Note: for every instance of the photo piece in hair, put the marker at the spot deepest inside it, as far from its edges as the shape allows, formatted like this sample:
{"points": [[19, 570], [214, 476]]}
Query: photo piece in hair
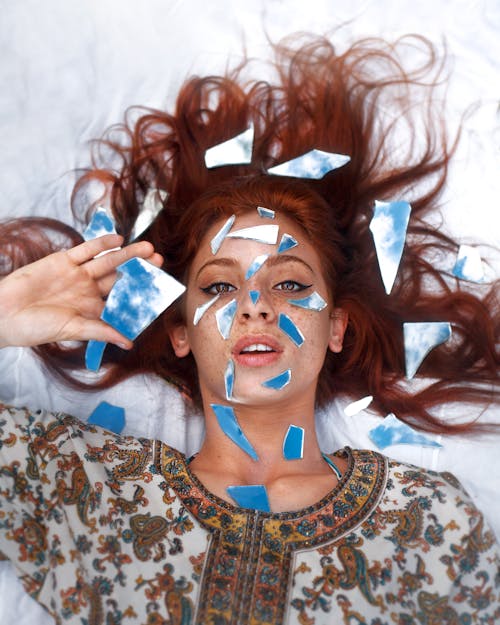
{"points": [[312, 302], [229, 379], [293, 443], [100, 224], [256, 265], [109, 417], [261, 234], [265, 213], [279, 381], [235, 151], [254, 296], [140, 294], [394, 432], [286, 325], [225, 318], [388, 227], [358, 406], [216, 242], [469, 265], [286, 243], [251, 496], [152, 205], [201, 310], [419, 339], [226, 418], [314, 165]]}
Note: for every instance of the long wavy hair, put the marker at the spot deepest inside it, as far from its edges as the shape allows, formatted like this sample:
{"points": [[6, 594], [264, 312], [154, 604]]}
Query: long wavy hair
{"points": [[362, 102]]}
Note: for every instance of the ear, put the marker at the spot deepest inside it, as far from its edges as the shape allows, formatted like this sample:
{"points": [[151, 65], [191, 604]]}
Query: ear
{"points": [[338, 325], [179, 340]]}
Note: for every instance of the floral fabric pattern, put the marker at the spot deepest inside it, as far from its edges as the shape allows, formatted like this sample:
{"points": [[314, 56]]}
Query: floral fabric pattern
{"points": [[107, 529]]}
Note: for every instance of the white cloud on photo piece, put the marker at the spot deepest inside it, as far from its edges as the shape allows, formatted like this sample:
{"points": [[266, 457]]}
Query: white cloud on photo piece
{"points": [[419, 339]]}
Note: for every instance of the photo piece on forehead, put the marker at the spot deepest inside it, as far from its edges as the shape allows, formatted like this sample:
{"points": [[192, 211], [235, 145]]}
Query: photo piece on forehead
{"points": [[388, 227], [419, 339], [266, 213], [109, 417], [229, 379], [226, 418], [100, 224], [260, 234], [257, 263], [254, 296], [395, 432], [251, 497], [139, 295], [286, 325], [279, 381], [314, 165], [311, 302], [293, 443], [235, 151], [152, 205], [225, 318], [201, 310], [216, 242], [468, 265], [286, 243], [358, 406]]}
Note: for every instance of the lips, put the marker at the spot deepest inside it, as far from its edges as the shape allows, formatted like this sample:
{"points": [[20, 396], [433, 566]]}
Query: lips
{"points": [[256, 350]]}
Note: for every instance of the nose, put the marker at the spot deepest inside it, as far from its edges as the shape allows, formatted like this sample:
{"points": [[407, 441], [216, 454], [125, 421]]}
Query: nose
{"points": [[256, 306]]}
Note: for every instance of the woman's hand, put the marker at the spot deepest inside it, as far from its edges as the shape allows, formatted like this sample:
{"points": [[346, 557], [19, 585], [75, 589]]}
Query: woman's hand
{"points": [[60, 297]]}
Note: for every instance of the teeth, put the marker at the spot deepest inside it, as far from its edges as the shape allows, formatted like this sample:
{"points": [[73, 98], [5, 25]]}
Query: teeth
{"points": [[257, 347]]}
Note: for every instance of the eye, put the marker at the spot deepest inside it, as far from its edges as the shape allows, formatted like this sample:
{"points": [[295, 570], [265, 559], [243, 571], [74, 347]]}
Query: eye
{"points": [[291, 286], [218, 288]]}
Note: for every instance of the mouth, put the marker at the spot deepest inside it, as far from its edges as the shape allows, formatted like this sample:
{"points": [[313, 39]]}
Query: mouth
{"points": [[256, 351]]}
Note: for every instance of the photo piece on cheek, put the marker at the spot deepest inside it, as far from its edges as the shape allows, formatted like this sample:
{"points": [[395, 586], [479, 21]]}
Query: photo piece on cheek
{"points": [[288, 327], [201, 310], [312, 302], [225, 318], [229, 379], [256, 265], [226, 418], [260, 234], [279, 381], [286, 243], [151, 207], [293, 443], [235, 151], [265, 213], [313, 165], [419, 339], [252, 496], [395, 432], [388, 227], [216, 242]]}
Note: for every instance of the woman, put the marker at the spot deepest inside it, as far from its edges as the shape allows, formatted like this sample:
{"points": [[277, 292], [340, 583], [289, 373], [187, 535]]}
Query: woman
{"points": [[108, 528]]}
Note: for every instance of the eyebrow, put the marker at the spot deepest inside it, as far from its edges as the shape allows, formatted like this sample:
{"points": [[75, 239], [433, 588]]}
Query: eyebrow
{"points": [[272, 261]]}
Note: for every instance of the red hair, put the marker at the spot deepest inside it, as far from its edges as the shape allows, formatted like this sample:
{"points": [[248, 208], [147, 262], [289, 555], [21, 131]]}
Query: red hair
{"points": [[334, 102]]}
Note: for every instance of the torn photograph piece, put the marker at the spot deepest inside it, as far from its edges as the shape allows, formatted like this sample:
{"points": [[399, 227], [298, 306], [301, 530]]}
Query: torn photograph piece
{"points": [[358, 406], [251, 497], [392, 431], [266, 213], [286, 243], [279, 381], [109, 417], [228, 423], [201, 310], [469, 265], [260, 234], [229, 379], [101, 223], [235, 151], [293, 443], [288, 327], [225, 318], [151, 207], [312, 302], [254, 296], [216, 242], [313, 165], [255, 266], [419, 339]]}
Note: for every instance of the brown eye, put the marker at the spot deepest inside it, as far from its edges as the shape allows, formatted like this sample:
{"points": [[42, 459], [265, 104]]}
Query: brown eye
{"points": [[291, 286], [218, 288]]}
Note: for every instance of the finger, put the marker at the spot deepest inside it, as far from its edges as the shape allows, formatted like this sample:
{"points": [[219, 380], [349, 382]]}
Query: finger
{"points": [[104, 265], [87, 250], [97, 330]]}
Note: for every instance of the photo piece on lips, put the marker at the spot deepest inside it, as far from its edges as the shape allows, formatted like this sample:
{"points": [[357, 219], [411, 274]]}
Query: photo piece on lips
{"points": [[395, 432], [201, 310], [260, 234], [388, 227], [311, 302], [216, 242], [279, 381], [286, 243], [266, 213], [252, 497], [226, 418], [109, 417], [313, 165], [235, 151], [293, 443], [139, 295], [288, 327], [256, 265], [225, 317], [419, 339], [151, 207]]}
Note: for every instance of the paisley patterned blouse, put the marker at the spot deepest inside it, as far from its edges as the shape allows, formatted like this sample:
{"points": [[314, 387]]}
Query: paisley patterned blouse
{"points": [[116, 530]]}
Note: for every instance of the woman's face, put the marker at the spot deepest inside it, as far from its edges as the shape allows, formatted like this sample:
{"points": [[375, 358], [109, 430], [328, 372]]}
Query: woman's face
{"points": [[269, 334]]}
